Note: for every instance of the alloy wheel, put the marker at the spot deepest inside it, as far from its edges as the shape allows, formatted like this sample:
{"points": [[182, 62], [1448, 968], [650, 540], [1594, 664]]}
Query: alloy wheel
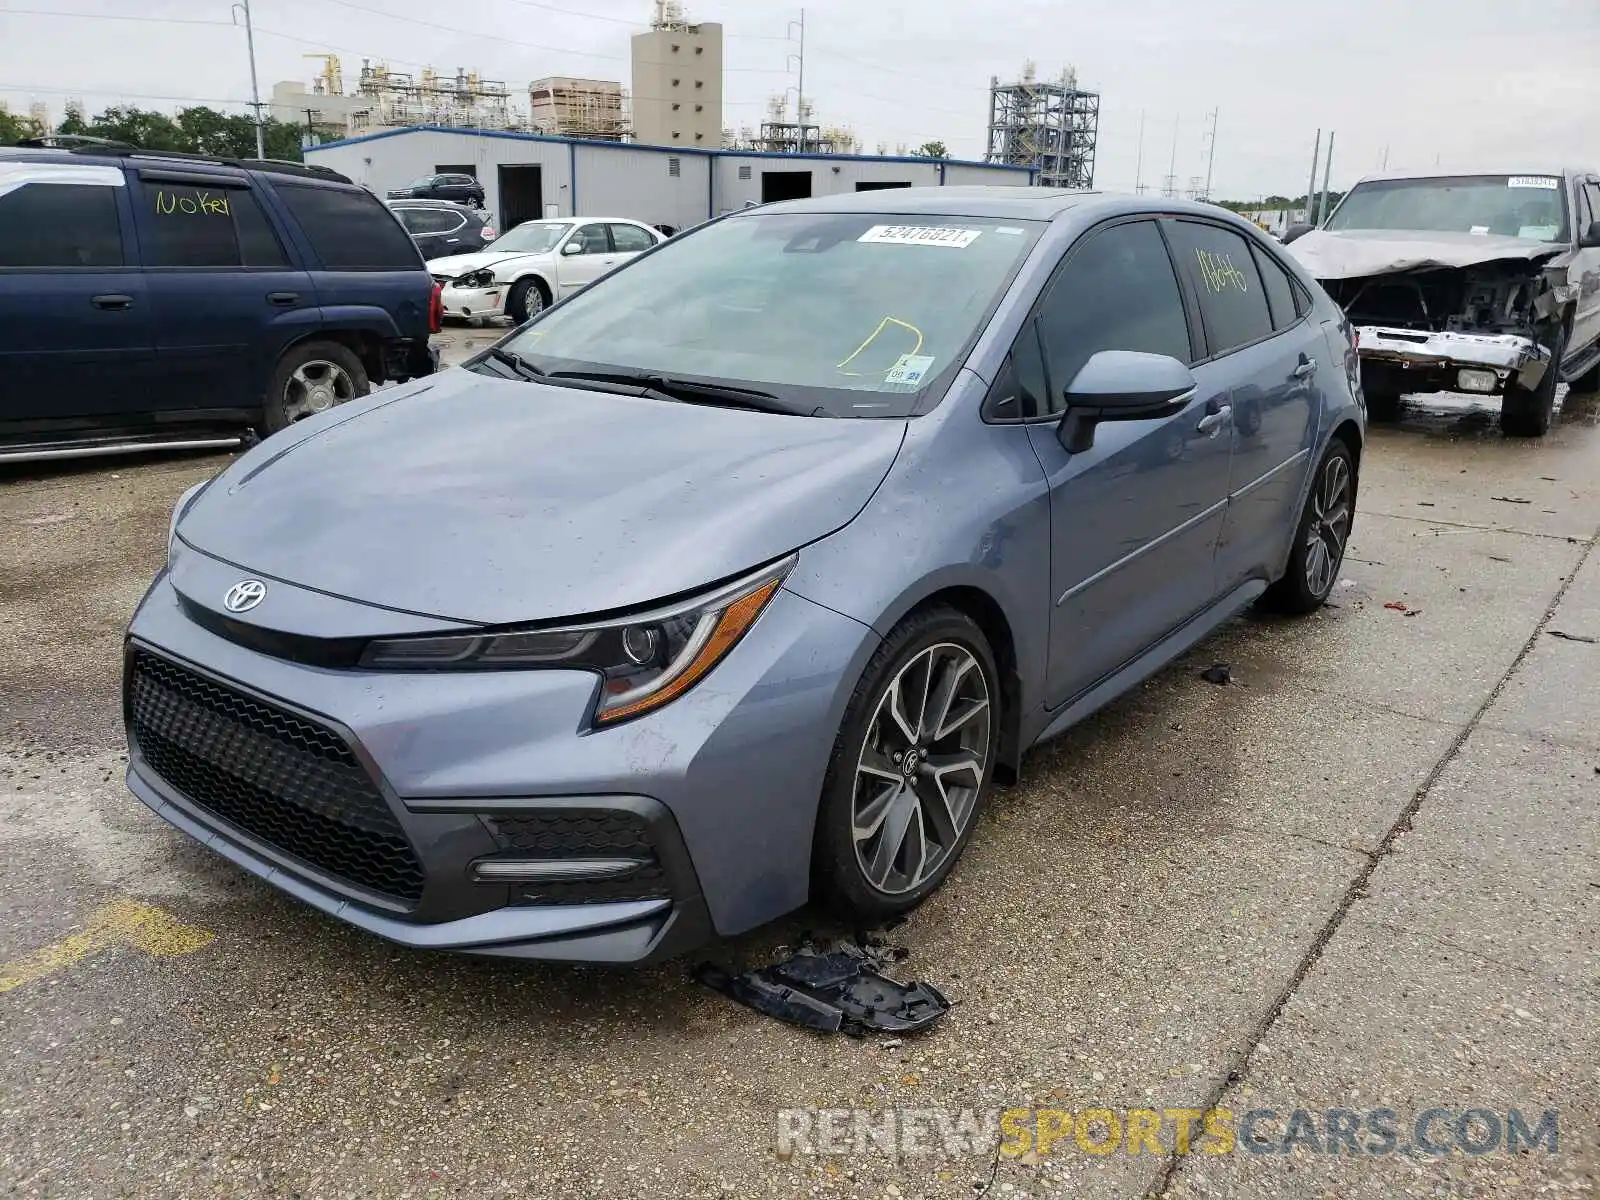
{"points": [[1330, 525], [921, 768], [315, 387]]}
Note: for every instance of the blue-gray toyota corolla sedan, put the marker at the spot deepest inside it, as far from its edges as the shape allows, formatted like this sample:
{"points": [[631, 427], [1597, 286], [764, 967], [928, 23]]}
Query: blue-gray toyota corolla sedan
{"points": [[739, 577]]}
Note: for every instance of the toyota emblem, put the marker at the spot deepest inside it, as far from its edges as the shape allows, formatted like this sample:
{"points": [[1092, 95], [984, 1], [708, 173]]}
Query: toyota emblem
{"points": [[244, 595]]}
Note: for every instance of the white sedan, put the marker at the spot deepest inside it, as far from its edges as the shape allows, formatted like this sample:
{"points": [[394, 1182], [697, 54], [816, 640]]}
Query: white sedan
{"points": [[537, 263]]}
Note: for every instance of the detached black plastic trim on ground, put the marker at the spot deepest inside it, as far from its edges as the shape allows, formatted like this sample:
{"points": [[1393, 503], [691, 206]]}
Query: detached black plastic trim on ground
{"points": [[838, 992]]}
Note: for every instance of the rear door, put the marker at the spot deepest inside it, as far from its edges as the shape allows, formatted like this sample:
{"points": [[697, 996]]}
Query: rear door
{"points": [[75, 329], [226, 296], [629, 240], [1263, 354]]}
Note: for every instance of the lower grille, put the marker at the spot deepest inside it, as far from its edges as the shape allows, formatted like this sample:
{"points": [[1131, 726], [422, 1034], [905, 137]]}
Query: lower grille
{"points": [[585, 833], [287, 781]]}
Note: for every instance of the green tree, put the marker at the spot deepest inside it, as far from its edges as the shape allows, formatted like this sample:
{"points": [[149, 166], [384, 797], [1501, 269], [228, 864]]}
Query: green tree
{"points": [[137, 127], [931, 150], [207, 131], [73, 123], [14, 128]]}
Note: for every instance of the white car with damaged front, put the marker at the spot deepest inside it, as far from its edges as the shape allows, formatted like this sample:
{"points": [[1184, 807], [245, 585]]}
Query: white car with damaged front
{"points": [[537, 263]]}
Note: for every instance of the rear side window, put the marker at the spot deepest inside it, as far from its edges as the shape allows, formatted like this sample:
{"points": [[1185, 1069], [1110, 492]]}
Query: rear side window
{"points": [[630, 238], [1117, 292], [190, 226], [1281, 294], [350, 230], [1223, 272], [431, 220], [60, 225]]}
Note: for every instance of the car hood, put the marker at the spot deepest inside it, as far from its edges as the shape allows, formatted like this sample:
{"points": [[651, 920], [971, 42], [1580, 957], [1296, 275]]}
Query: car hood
{"points": [[496, 502], [1351, 254], [457, 265]]}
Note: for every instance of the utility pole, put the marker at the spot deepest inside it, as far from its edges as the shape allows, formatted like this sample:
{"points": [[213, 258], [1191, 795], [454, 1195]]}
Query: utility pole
{"points": [[1327, 172], [255, 91], [1138, 166], [311, 131], [800, 91], [1211, 159], [1311, 188], [1170, 188]]}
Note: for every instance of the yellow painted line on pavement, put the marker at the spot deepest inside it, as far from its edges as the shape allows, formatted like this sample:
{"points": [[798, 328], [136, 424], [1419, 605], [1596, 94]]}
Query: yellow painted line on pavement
{"points": [[120, 922]]}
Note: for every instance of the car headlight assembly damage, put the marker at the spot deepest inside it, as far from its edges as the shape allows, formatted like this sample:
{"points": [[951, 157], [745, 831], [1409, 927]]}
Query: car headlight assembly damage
{"points": [[644, 661], [477, 279]]}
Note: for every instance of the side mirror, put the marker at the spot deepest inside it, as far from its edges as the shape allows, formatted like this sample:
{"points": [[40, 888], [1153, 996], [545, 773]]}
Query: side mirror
{"points": [[1122, 385], [572, 248], [1591, 236], [1297, 230]]}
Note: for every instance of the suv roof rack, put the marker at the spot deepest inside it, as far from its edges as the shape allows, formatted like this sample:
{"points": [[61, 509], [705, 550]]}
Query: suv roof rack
{"points": [[72, 141], [78, 144]]}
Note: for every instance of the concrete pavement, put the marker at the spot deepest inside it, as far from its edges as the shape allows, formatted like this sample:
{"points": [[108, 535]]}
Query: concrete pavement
{"points": [[1361, 876]]}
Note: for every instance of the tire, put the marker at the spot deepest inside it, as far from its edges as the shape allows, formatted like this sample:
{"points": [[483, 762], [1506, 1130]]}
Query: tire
{"points": [[527, 300], [1588, 383], [1383, 406], [1525, 412], [875, 877], [311, 378], [1320, 538]]}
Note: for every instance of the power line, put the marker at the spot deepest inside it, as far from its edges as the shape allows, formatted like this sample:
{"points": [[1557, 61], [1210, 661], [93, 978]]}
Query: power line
{"points": [[39, 12]]}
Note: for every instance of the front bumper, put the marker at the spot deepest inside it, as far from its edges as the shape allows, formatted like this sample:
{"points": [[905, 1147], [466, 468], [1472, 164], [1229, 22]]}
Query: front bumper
{"points": [[726, 780], [474, 302], [1420, 361]]}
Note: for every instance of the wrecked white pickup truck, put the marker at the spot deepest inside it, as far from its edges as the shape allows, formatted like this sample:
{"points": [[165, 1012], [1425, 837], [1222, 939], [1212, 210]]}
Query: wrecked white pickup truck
{"points": [[1474, 283]]}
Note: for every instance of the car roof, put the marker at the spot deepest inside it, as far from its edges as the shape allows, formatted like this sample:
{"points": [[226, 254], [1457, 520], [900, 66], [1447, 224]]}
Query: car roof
{"points": [[1459, 173], [129, 156], [1015, 203], [423, 202]]}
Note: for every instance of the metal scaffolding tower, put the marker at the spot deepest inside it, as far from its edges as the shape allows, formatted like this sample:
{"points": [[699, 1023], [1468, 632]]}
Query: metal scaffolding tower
{"points": [[1051, 125]]}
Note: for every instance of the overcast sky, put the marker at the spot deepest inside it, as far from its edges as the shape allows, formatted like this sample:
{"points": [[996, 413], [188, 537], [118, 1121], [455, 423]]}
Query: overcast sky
{"points": [[1453, 81]]}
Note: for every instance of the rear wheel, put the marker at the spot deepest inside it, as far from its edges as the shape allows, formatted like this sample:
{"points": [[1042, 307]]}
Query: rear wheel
{"points": [[1588, 383], [1526, 412], [312, 378], [1320, 537], [910, 768]]}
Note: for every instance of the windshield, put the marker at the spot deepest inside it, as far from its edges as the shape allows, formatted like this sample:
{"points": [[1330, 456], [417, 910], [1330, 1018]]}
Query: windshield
{"points": [[1522, 206], [854, 313], [533, 237], [425, 181]]}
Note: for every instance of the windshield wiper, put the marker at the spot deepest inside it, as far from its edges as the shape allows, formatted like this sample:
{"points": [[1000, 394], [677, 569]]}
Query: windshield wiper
{"points": [[692, 391], [516, 362]]}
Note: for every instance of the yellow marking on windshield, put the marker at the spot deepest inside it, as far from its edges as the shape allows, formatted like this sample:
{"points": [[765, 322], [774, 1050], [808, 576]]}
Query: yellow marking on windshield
{"points": [[883, 324]]}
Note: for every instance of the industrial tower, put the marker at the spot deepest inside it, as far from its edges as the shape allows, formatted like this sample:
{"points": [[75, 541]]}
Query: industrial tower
{"points": [[1049, 125]]}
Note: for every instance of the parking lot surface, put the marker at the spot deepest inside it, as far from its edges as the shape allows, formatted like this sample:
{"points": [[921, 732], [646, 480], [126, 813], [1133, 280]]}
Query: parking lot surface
{"points": [[1361, 875]]}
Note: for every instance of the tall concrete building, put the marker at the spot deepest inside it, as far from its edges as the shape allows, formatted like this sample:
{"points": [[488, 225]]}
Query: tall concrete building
{"points": [[677, 81]]}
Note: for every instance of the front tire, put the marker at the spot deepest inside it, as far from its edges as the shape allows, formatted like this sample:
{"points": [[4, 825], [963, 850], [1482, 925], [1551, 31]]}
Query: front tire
{"points": [[1527, 412], [911, 767], [1320, 538], [312, 378], [527, 299]]}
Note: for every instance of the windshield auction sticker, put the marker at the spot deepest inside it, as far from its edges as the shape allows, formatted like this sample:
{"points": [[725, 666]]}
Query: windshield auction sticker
{"points": [[921, 235], [1534, 181]]}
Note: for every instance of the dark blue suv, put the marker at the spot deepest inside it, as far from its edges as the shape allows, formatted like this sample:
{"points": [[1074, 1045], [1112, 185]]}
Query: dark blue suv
{"points": [[150, 298]]}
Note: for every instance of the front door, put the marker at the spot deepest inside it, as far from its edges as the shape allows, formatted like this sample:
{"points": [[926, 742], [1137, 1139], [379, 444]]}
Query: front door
{"points": [[584, 257], [75, 327], [1134, 519], [225, 297], [1585, 273]]}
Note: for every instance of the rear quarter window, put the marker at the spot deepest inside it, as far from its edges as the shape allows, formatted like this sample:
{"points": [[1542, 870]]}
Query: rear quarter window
{"points": [[350, 229]]}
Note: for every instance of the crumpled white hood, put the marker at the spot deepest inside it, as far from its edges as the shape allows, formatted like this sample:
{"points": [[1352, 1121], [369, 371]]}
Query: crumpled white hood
{"points": [[1350, 254], [456, 265]]}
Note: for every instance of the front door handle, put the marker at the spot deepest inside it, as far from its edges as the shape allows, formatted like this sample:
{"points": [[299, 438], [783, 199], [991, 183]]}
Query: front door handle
{"points": [[112, 303], [451, 241], [1211, 424], [1306, 369], [283, 299]]}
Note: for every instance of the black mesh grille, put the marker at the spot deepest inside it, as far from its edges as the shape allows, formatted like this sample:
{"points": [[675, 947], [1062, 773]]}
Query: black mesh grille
{"points": [[281, 778], [591, 833]]}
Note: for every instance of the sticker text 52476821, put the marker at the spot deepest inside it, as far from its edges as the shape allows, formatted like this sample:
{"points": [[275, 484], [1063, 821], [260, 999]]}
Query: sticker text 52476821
{"points": [[921, 235]]}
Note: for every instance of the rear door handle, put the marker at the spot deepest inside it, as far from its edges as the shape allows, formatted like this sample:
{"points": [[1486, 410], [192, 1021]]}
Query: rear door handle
{"points": [[1211, 424], [114, 303], [283, 299], [1306, 369], [451, 241]]}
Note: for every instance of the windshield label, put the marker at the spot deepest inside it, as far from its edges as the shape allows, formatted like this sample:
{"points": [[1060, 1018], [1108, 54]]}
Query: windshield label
{"points": [[921, 235], [909, 369], [1534, 181]]}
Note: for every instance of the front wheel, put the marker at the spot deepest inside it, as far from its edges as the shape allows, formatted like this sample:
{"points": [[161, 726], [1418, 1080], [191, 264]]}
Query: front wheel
{"points": [[312, 378], [526, 300], [910, 768], [1320, 536], [1527, 412]]}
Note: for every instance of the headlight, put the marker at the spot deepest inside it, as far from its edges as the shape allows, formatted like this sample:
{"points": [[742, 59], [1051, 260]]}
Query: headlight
{"points": [[178, 509], [477, 279], [643, 661]]}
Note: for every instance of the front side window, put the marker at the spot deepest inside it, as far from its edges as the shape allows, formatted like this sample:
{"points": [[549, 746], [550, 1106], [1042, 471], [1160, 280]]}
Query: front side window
{"points": [[350, 229], [1519, 206], [1117, 292], [531, 237], [590, 239], [853, 314], [184, 225], [1222, 271], [60, 225]]}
